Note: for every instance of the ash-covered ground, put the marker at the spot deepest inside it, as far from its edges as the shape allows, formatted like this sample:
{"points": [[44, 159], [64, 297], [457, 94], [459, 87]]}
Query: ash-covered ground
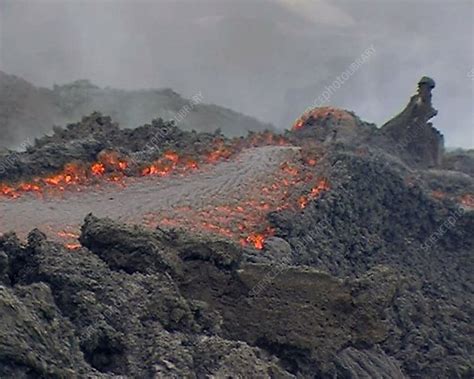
{"points": [[334, 250]]}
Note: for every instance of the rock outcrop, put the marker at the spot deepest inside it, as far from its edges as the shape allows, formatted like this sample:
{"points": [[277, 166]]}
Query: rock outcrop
{"points": [[413, 136], [331, 125]]}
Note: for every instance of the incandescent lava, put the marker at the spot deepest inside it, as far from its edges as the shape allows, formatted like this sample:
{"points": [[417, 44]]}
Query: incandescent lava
{"points": [[228, 190]]}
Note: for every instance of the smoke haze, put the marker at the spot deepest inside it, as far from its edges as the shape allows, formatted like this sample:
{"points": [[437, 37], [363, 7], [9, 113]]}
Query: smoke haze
{"points": [[269, 59]]}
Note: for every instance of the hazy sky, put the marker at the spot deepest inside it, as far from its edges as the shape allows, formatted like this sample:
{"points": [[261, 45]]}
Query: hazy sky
{"points": [[269, 59]]}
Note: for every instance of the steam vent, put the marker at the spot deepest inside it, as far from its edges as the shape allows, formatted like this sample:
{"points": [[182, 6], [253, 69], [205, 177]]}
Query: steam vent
{"points": [[414, 136]]}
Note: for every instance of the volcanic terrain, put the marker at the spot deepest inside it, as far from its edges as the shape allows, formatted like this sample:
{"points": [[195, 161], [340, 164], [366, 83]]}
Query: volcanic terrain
{"points": [[335, 249]]}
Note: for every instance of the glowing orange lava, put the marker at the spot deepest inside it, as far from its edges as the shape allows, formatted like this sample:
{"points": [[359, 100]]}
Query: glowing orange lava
{"points": [[221, 151], [109, 166], [243, 220], [73, 246], [165, 165], [322, 113], [98, 169], [257, 240], [70, 238], [321, 186]]}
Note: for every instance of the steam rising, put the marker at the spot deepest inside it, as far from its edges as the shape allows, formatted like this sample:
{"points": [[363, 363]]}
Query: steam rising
{"points": [[269, 59]]}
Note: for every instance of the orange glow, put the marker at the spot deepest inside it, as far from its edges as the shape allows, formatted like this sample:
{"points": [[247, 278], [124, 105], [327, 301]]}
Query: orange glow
{"points": [[158, 168], [67, 234], [98, 169], [167, 164], [73, 246], [70, 239], [467, 200], [29, 187], [257, 240], [322, 113], [112, 161], [320, 187], [172, 156], [298, 124], [171, 161], [439, 195], [113, 167], [191, 164], [218, 154], [244, 220], [72, 174], [292, 170], [8, 191]]}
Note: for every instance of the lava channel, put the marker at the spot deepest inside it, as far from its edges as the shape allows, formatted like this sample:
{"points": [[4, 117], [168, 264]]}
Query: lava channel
{"points": [[231, 198]]}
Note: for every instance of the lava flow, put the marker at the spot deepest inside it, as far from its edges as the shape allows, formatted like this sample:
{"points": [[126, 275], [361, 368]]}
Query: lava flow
{"points": [[321, 186], [229, 191], [245, 219], [112, 167], [109, 166]]}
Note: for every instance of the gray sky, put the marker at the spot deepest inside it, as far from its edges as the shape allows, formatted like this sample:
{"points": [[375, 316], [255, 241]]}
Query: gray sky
{"points": [[269, 59]]}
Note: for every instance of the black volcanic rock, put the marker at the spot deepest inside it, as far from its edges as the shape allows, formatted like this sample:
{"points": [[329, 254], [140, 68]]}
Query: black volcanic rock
{"points": [[70, 315], [83, 142], [214, 318], [413, 137], [373, 216]]}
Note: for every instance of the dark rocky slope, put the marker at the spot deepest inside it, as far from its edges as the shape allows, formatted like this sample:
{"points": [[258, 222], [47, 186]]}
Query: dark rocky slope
{"points": [[374, 217]]}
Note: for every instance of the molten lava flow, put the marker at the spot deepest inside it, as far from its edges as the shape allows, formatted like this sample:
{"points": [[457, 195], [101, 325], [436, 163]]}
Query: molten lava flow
{"points": [[321, 186], [311, 161], [245, 220], [172, 156], [257, 240], [220, 151], [167, 164], [112, 161], [242, 218], [113, 167], [109, 165], [98, 169], [8, 191], [298, 125]]}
